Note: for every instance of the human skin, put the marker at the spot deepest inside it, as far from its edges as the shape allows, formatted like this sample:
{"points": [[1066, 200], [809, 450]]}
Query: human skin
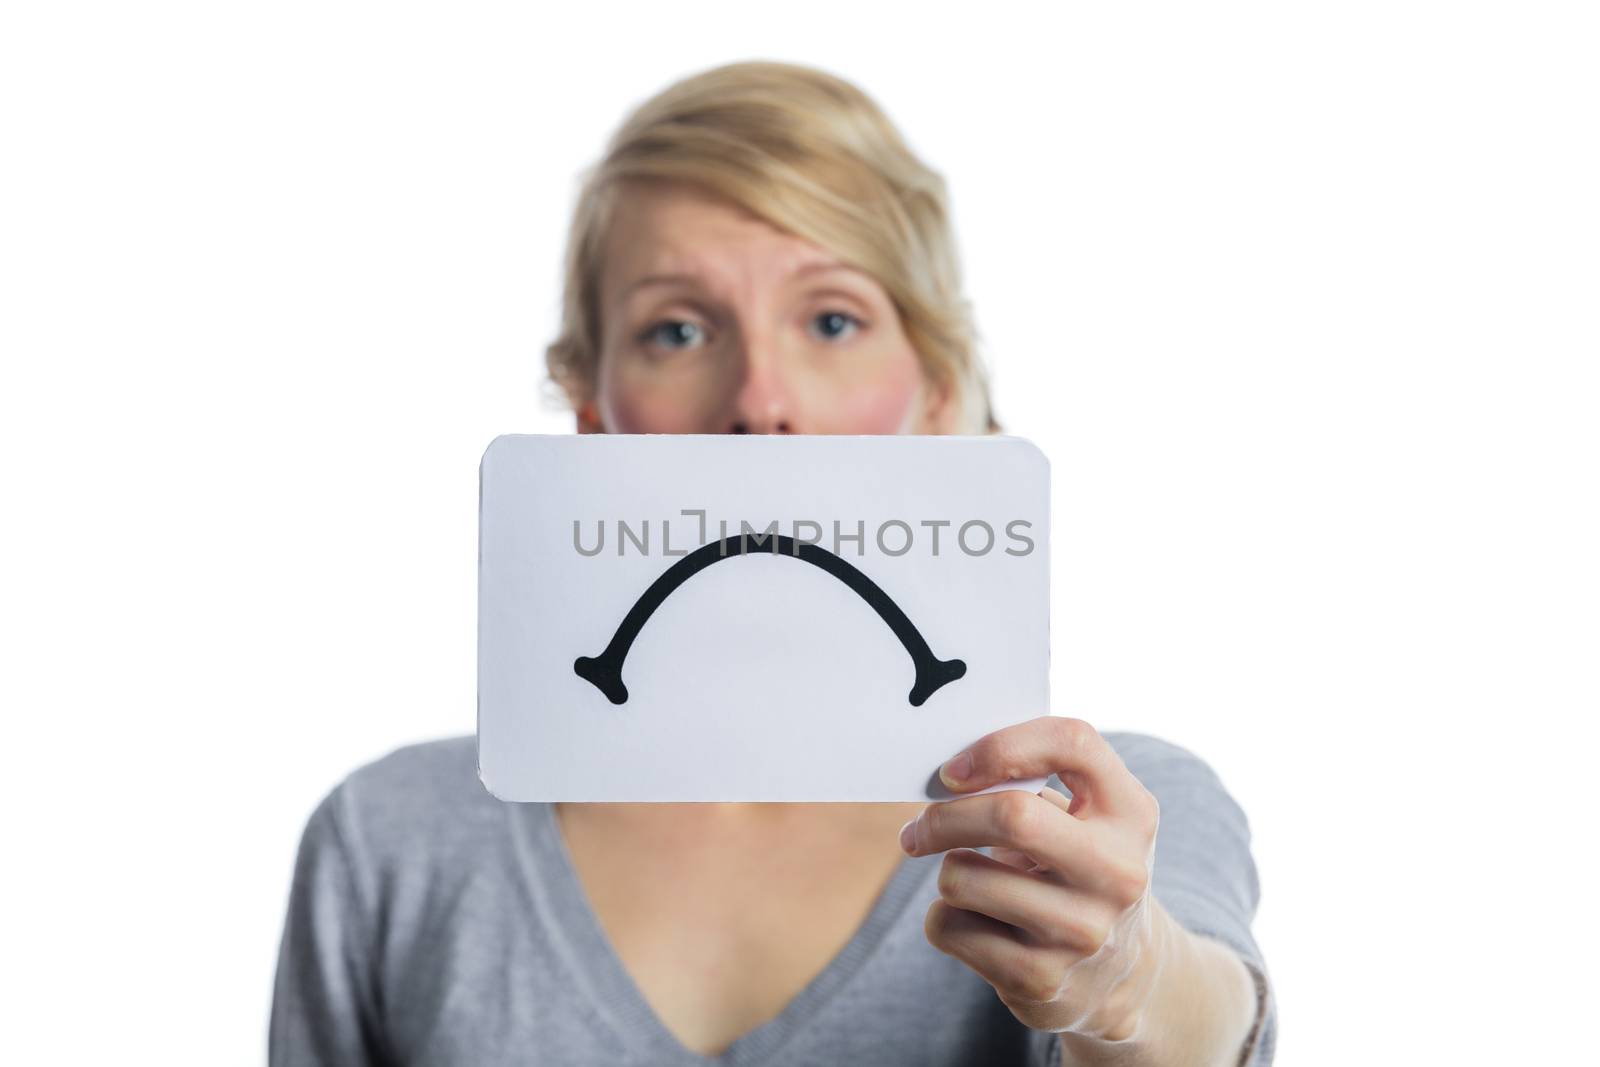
{"points": [[713, 321], [1036, 918]]}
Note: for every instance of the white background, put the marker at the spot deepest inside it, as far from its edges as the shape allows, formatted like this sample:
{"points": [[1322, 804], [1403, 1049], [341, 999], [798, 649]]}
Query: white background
{"points": [[1301, 301]]}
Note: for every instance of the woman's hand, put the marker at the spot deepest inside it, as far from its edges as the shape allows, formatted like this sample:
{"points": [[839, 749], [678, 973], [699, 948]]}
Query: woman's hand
{"points": [[1060, 921]]}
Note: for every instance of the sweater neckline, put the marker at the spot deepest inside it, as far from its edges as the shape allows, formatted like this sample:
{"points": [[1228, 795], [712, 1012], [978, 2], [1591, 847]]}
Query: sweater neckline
{"points": [[591, 955]]}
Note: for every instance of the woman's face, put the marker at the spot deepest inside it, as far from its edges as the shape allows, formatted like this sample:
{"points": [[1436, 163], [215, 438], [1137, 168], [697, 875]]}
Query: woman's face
{"points": [[713, 321]]}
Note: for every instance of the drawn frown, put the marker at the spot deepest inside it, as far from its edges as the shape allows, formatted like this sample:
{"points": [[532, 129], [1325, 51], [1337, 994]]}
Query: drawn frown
{"points": [[604, 671]]}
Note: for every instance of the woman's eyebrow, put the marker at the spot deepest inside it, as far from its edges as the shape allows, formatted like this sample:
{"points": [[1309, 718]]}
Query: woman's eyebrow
{"points": [[657, 279], [827, 267], [694, 278]]}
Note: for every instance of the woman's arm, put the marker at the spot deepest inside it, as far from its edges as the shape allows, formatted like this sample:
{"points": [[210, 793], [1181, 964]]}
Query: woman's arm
{"points": [[1203, 1009], [1063, 921], [323, 1001]]}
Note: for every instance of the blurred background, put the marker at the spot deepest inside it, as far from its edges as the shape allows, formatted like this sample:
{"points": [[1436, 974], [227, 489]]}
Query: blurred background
{"points": [[1301, 302]]}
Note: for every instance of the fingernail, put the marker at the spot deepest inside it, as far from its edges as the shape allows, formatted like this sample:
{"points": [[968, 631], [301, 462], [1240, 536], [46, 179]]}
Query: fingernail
{"points": [[957, 770], [908, 836]]}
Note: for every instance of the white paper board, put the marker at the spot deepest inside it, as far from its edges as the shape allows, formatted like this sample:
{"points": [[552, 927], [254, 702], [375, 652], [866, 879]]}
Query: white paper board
{"points": [[639, 639]]}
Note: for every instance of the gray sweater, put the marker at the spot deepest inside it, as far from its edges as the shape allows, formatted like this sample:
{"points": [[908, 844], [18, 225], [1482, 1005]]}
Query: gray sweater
{"points": [[431, 924]]}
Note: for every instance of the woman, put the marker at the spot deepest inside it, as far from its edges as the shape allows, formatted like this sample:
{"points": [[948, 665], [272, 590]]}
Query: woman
{"points": [[759, 252]]}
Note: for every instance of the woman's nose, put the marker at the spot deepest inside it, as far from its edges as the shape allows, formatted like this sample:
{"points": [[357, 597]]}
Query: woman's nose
{"points": [[762, 403]]}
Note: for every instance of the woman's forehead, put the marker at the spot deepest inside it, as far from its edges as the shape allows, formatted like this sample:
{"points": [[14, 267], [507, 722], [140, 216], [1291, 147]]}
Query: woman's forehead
{"points": [[682, 235]]}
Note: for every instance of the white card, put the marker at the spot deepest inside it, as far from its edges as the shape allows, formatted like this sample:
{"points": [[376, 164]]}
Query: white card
{"points": [[686, 617]]}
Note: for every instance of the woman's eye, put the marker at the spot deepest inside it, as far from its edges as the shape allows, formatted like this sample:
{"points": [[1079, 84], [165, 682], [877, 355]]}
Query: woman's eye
{"points": [[674, 334], [832, 325]]}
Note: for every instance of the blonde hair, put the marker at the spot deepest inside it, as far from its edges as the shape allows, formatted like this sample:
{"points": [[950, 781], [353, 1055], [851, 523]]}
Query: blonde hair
{"points": [[810, 154]]}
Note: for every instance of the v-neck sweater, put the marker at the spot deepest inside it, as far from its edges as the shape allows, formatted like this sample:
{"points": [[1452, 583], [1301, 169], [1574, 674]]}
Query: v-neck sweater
{"points": [[430, 924]]}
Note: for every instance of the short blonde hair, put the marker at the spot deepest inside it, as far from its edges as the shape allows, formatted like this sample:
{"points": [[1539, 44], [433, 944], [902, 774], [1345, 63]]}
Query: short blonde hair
{"points": [[810, 154]]}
